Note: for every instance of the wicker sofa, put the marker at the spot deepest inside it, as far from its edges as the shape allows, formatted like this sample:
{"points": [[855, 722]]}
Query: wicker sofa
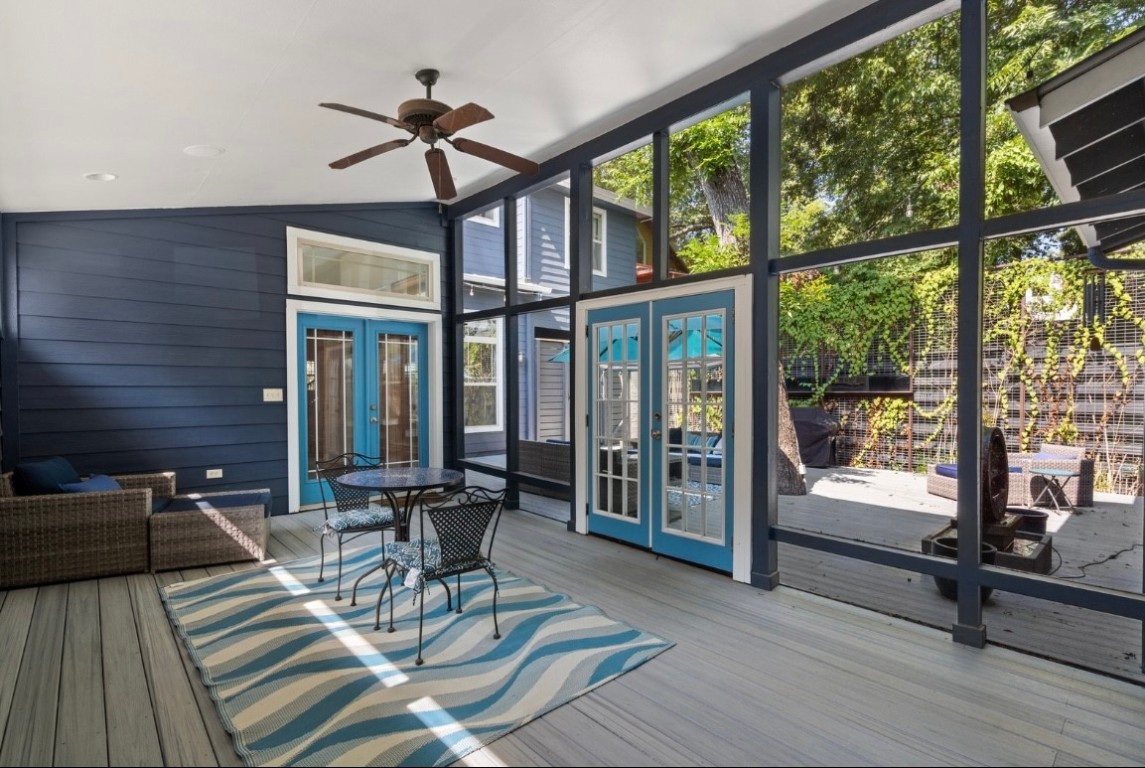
{"points": [[58, 537], [552, 461], [68, 536], [1024, 486]]}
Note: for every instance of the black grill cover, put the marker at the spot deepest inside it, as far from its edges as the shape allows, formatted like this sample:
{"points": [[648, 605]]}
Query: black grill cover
{"points": [[816, 430]]}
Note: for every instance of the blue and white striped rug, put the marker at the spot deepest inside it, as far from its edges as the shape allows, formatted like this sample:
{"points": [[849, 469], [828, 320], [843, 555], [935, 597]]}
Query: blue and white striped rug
{"points": [[300, 679]]}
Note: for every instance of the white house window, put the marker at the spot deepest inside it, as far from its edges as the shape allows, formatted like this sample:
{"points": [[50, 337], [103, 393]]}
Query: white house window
{"points": [[491, 217], [483, 356], [599, 239], [335, 267], [599, 247]]}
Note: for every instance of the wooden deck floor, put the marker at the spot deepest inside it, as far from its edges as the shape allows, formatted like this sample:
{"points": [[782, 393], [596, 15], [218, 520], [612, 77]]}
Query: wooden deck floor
{"points": [[1099, 545], [91, 673]]}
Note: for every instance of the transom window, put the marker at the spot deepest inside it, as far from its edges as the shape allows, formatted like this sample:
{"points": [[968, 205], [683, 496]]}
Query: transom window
{"points": [[331, 266]]}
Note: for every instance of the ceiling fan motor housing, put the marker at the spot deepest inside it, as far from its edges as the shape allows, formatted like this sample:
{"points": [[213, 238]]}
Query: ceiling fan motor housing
{"points": [[420, 114]]}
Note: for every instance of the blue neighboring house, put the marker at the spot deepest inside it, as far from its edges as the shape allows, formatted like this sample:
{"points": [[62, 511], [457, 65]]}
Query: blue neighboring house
{"points": [[621, 242]]}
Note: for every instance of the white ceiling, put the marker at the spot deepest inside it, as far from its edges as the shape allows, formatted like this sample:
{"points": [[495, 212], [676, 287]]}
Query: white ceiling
{"points": [[123, 87]]}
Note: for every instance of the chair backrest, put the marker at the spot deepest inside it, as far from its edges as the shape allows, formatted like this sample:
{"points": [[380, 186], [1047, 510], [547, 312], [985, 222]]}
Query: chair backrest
{"points": [[345, 498], [461, 523]]}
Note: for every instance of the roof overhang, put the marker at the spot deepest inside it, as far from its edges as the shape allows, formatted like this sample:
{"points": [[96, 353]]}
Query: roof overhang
{"points": [[1086, 126]]}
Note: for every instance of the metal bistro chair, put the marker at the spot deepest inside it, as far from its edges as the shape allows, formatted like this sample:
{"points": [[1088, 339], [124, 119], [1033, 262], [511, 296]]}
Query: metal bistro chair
{"points": [[465, 524], [356, 513]]}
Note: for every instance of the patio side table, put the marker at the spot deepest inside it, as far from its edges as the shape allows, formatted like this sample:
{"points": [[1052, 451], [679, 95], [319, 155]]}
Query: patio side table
{"points": [[1055, 482]]}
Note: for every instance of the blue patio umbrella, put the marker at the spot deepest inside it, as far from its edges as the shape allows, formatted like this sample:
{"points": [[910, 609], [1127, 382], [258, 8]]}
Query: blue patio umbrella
{"points": [[697, 341]]}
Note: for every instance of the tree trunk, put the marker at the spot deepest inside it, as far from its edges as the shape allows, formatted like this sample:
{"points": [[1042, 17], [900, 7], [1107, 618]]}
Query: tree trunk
{"points": [[726, 196], [787, 474]]}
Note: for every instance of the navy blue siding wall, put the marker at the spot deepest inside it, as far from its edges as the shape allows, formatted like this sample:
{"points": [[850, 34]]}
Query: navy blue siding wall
{"points": [[145, 340]]}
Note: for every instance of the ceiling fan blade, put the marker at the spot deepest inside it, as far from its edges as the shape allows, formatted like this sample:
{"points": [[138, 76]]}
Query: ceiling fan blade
{"points": [[372, 115], [494, 155], [366, 154], [462, 117], [439, 172]]}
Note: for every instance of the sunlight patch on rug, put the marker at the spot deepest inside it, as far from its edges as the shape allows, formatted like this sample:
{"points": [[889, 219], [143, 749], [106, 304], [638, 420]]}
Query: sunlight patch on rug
{"points": [[300, 679]]}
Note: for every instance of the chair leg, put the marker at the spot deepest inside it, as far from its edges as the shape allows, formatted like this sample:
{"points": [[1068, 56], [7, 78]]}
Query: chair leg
{"points": [[459, 593], [378, 608], [321, 555], [391, 629], [338, 591], [496, 629], [420, 621], [448, 595]]}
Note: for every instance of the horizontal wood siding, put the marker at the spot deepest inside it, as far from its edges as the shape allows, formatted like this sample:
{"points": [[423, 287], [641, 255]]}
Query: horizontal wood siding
{"points": [[145, 340]]}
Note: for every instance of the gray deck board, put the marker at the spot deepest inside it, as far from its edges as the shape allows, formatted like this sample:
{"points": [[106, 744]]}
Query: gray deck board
{"points": [[182, 733], [755, 678], [36, 699], [132, 731], [15, 621], [81, 731]]}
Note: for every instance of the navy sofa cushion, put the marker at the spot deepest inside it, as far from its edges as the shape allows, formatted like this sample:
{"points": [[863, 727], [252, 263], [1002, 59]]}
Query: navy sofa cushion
{"points": [[92, 484], [714, 459], [951, 470], [32, 478], [192, 502]]}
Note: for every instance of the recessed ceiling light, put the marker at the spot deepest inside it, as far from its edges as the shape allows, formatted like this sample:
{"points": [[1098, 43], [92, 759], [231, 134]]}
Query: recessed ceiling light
{"points": [[100, 176], [203, 150]]}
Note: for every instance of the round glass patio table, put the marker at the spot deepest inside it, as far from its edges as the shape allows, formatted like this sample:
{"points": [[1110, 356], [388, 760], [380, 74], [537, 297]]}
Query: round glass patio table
{"points": [[392, 481]]}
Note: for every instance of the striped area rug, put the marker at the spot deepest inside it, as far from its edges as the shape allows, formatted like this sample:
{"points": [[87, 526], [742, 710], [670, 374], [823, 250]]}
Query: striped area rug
{"points": [[300, 679]]}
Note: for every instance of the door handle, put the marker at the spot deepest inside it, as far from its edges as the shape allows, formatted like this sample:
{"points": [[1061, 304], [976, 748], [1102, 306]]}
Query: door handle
{"points": [[656, 434], [373, 419]]}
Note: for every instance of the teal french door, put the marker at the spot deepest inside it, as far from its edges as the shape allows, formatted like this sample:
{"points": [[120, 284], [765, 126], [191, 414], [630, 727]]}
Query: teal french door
{"points": [[660, 433], [363, 390]]}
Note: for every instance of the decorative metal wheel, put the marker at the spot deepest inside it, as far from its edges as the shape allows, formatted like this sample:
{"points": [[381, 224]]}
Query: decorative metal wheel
{"points": [[995, 475]]}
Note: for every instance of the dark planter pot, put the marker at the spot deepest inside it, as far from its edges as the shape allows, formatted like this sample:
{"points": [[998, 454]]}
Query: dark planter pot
{"points": [[1033, 520], [947, 546]]}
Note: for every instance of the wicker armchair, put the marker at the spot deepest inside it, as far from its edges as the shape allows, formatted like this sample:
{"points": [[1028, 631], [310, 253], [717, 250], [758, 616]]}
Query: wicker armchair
{"points": [[68, 536]]}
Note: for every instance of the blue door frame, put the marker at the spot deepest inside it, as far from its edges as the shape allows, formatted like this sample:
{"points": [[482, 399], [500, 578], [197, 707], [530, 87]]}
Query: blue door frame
{"points": [[365, 383], [684, 504]]}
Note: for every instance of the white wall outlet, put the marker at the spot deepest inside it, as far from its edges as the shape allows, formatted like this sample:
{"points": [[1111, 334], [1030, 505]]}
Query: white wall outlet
{"points": [[272, 395], [214, 474]]}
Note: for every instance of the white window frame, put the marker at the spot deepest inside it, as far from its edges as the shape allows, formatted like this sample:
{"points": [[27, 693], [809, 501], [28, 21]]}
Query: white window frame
{"points": [[603, 271], [498, 384], [490, 217], [295, 285]]}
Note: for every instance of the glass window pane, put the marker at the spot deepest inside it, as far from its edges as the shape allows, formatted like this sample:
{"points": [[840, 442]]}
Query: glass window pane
{"points": [[622, 220], [708, 173], [543, 265], [1086, 133], [871, 144], [482, 261], [329, 395]]}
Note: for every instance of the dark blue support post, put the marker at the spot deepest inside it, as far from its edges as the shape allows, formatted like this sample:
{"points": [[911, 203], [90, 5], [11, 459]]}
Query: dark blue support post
{"points": [[766, 172], [580, 254], [968, 628], [511, 339], [660, 207], [455, 343]]}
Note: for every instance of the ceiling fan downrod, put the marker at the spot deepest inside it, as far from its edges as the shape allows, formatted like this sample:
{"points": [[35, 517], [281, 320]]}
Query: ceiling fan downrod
{"points": [[428, 78]]}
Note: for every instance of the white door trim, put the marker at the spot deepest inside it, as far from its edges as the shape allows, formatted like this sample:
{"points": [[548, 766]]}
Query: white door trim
{"points": [[741, 484], [434, 427]]}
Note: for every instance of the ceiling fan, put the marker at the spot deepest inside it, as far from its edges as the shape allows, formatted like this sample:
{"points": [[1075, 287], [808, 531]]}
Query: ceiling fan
{"points": [[432, 121]]}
